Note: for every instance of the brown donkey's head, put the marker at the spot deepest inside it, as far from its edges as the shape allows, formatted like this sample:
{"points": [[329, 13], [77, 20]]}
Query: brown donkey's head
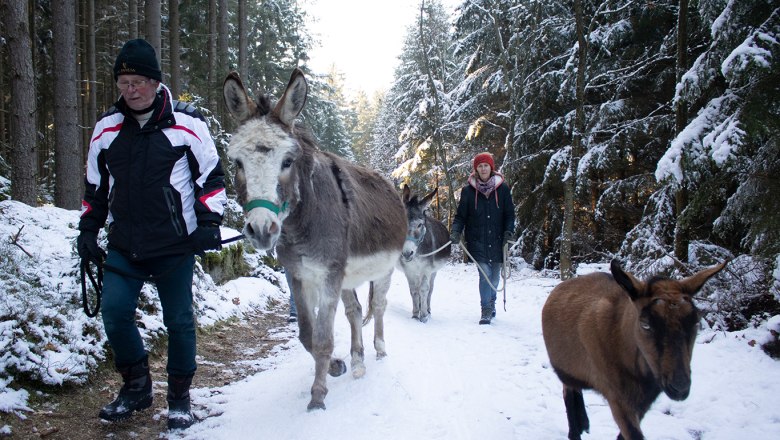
{"points": [[667, 324]]}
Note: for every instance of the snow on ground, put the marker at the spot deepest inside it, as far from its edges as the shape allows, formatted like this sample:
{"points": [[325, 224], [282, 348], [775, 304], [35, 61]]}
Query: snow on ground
{"points": [[454, 379]]}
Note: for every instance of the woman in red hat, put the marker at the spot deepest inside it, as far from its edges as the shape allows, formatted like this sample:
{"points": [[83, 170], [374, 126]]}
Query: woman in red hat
{"points": [[487, 215]]}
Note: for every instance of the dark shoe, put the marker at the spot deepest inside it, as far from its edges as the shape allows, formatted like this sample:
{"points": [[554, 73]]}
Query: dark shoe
{"points": [[179, 411], [293, 318], [485, 319], [493, 314], [135, 394]]}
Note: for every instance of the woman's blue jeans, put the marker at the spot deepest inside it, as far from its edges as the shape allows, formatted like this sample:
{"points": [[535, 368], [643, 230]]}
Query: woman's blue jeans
{"points": [[120, 300], [487, 295]]}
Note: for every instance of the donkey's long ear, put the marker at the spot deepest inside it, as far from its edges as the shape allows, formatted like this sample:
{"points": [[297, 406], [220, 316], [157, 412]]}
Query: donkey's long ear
{"points": [[236, 100], [426, 201], [294, 98], [693, 283], [633, 286], [406, 193]]}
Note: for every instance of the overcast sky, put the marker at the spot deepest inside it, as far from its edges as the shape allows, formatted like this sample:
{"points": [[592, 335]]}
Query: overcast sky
{"points": [[363, 38]]}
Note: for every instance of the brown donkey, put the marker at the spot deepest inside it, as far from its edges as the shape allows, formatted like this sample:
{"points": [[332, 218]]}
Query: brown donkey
{"points": [[334, 225], [627, 339]]}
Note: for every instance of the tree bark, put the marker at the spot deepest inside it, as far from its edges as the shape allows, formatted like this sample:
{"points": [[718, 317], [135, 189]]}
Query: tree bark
{"points": [[91, 57], [153, 25], [242, 40], [175, 47], [24, 157], [212, 51], [132, 28], [223, 61], [570, 181], [67, 151]]}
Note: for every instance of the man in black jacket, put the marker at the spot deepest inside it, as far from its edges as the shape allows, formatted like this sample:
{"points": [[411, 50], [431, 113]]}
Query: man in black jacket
{"points": [[487, 214], [154, 173]]}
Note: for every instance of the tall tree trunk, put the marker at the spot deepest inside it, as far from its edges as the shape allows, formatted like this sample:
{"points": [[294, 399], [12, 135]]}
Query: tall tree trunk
{"points": [[153, 25], [570, 181], [67, 151], [222, 60], [91, 57], [24, 157], [3, 125], [242, 40], [175, 47], [212, 51], [681, 233], [132, 28]]}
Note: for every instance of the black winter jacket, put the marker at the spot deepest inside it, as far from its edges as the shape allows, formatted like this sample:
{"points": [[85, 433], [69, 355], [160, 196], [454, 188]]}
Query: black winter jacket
{"points": [[485, 219], [154, 184]]}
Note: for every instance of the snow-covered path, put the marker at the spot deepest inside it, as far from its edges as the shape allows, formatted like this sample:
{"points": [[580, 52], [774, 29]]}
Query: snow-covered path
{"points": [[454, 379]]}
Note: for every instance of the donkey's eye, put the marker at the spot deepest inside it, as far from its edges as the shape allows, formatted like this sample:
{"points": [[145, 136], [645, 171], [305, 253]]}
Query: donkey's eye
{"points": [[645, 326], [287, 163]]}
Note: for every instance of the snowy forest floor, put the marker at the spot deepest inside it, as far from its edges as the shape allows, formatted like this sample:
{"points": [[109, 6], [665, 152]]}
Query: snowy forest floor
{"points": [[71, 412]]}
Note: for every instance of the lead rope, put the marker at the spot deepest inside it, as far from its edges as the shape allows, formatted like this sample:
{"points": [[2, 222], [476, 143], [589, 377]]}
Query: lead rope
{"points": [[505, 268], [97, 282]]}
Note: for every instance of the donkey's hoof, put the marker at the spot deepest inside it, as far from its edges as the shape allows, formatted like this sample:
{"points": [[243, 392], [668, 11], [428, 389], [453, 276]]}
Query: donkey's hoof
{"points": [[315, 405], [380, 355], [358, 371], [337, 368], [424, 319]]}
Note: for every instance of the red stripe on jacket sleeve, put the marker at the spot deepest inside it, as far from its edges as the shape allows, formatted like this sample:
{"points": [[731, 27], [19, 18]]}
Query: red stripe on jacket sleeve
{"points": [[116, 127]]}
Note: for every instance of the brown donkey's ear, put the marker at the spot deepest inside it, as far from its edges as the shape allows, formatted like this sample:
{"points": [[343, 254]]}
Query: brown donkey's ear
{"points": [[236, 100], [294, 98], [693, 283], [633, 286]]}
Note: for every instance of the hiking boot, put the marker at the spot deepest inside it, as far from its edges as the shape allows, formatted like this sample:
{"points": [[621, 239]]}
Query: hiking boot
{"points": [[179, 412], [486, 312], [293, 318], [493, 313], [135, 394]]}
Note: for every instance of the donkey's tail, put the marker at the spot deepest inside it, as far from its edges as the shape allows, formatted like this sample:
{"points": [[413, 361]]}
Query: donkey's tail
{"points": [[370, 308]]}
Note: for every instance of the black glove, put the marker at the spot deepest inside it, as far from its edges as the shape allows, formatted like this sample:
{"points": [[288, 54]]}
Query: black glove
{"points": [[206, 238], [455, 237], [88, 249]]}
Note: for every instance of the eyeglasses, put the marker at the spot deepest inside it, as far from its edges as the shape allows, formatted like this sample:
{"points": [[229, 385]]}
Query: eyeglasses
{"points": [[137, 84]]}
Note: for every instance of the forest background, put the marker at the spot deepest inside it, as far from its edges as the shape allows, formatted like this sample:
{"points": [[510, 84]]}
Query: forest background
{"points": [[639, 130]]}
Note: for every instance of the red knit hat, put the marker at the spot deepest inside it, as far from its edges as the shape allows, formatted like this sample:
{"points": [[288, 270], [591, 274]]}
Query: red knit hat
{"points": [[484, 158]]}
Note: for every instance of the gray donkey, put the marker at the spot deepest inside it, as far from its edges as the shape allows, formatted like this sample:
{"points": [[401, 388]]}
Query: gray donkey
{"points": [[334, 225], [418, 261]]}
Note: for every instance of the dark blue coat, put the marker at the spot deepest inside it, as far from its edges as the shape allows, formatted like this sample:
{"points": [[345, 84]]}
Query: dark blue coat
{"points": [[485, 220]]}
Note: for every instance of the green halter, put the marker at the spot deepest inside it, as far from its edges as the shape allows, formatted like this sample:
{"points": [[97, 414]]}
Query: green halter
{"points": [[267, 204]]}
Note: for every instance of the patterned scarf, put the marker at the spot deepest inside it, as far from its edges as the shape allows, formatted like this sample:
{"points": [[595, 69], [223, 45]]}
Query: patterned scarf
{"points": [[486, 187]]}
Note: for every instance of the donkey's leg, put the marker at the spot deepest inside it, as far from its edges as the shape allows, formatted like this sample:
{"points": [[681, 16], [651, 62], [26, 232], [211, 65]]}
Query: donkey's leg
{"points": [[305, 315], [430, 290], [412, 280], [355, 316], [379, 303], [424, 295], [322, 340]]}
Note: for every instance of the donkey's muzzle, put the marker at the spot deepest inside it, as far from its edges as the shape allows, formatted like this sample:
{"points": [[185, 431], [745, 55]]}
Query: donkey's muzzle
{"points": [[262, 229]]}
